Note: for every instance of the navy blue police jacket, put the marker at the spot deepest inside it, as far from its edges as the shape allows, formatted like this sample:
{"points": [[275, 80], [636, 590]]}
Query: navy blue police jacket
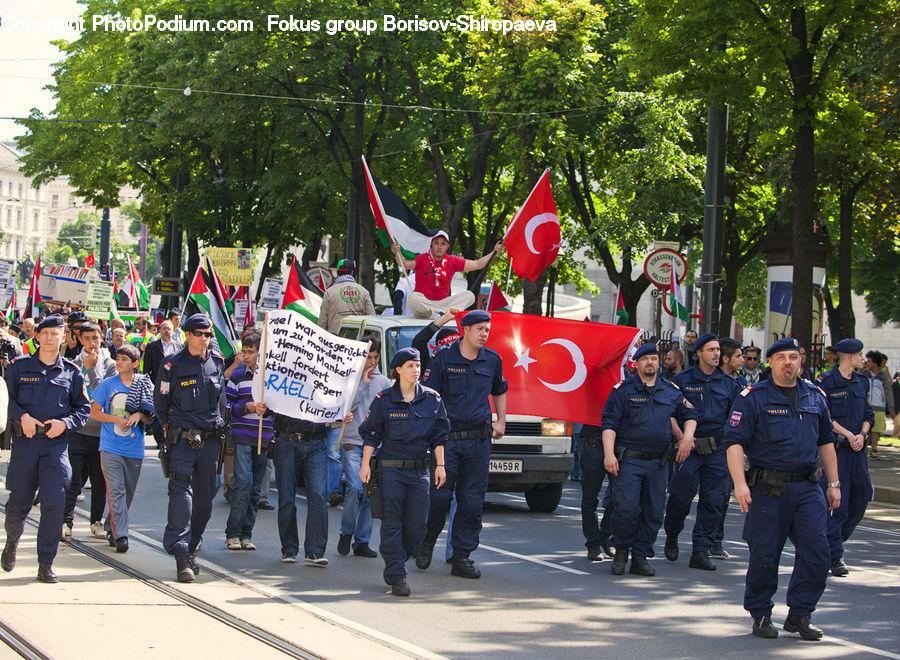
{"points": [[47, 391], [640, 415], [776, 433], [465, 384], [848, 400], [187, 390], [712, 397], [404, 430]]}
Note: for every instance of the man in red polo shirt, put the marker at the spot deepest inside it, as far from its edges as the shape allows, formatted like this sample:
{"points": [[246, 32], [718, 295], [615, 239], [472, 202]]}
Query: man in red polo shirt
{"points": [[434, 271]]}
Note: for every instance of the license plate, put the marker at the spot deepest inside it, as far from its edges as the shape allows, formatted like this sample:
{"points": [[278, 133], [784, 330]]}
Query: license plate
{"points": [[512, 467]]}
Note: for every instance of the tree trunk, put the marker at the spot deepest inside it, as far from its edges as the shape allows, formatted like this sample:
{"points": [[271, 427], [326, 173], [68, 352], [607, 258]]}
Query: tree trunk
{"points": [[267, 269], [803, 181], [727, 299], [845, 300], [193, 255], [533, 292], [834, 317]]}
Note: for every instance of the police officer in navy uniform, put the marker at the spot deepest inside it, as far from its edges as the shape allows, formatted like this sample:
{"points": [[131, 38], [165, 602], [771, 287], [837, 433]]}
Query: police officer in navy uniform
{"points": [[701, 464], [405, 422], [465, 375], [784, 427], [636, 434], [46, 400], [847, 394], [186, 398]]}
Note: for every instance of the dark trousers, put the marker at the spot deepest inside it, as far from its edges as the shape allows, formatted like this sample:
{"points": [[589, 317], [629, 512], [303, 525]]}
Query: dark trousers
{"points": [[709, 475], [38, 462], [291, 460], [84, 451], [467, 463], [592, 475], [856, 493], [191, 490], [639, 492], [405, 499], [799, 514]]}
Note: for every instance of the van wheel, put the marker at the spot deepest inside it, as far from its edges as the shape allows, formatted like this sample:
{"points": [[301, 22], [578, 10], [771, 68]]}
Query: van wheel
{"points": [[544, 498]]}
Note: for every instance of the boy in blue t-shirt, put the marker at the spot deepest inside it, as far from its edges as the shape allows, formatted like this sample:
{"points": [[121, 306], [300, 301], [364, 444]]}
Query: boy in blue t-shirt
{"points": [[121, 442]]}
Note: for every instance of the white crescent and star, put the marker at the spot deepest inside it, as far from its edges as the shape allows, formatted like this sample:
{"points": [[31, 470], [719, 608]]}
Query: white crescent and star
{"points": [[524, 359], [533, 224]]}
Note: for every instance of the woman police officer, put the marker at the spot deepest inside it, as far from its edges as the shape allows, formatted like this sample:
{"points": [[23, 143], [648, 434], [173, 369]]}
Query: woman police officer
{"points": [[404, 422]]}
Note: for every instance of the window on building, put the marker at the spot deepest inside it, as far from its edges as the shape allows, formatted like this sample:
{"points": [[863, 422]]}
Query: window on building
{"points": [[9, 218], [18, 219], [37, 221], [54, 201], [9, 188], [18, 248], [20, 191], [53, 224]]}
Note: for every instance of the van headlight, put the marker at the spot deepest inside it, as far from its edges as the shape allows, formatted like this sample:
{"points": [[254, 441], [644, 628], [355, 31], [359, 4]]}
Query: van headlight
{"points": [[556, 427]]}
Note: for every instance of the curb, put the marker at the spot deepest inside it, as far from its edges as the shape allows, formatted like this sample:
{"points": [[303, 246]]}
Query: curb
{"points": [[887, 495]]}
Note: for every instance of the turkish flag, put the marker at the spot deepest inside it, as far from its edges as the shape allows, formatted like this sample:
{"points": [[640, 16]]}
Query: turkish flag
{"points": [[89, 261], [533, 237], [556, 367]]}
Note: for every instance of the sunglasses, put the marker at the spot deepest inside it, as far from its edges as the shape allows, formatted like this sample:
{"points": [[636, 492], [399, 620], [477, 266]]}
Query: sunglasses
{"points": [[198, 333]]}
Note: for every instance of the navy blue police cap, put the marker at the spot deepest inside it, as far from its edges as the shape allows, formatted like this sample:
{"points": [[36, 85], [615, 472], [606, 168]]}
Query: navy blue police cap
{"points": [[52, 321], [645, 349], [197, 321], [475, 316], [849, 346], [786, 344], [403, 356], [77, 317], [703, 339]]}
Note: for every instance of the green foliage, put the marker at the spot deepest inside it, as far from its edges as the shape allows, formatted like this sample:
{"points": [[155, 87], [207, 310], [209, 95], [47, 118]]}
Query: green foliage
{"points": [[750, 310]]}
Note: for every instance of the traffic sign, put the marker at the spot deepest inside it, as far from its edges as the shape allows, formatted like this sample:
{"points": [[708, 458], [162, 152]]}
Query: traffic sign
{"points": [[166, 286], [658, 267]]}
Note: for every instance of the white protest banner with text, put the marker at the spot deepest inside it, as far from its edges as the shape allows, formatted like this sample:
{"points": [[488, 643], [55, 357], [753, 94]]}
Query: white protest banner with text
{"points": [[308, 373]]}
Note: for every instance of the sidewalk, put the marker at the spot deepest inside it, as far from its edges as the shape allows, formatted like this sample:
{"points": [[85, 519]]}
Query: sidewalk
{"points": [[885, 472]]}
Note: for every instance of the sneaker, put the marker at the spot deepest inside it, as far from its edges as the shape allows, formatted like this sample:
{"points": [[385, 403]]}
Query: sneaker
{"points": [[316, 560], [716, 551], [288, 559], [97, 530], [247, 544], [265, 505], [839, 568], [192, 562], [344, 544], [66, 531], [335, 499], [110, 540], [183, 570], [233, 544]]}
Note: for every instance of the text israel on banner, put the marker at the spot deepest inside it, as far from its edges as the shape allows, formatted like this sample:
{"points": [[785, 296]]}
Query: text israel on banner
{"points": [[308, 372]]}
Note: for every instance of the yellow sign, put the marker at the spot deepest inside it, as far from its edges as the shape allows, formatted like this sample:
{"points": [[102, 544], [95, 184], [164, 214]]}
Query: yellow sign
{"points": [[233, 265]]}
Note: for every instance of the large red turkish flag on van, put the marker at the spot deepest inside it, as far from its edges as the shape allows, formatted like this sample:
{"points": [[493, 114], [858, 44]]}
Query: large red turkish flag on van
{"points": [[556, 367]]}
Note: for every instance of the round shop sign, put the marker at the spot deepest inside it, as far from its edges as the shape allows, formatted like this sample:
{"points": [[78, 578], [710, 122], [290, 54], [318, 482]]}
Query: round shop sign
{"points": [[323, 277], [658, 267]]}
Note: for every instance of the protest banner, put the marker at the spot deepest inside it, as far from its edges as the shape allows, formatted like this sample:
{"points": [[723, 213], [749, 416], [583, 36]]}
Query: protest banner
{"points": [[271, 296], [233, 265], [7, 280], [306, 372], [98, 303]]}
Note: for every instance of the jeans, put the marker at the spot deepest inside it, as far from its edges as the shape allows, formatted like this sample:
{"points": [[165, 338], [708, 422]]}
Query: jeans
{"points": [[335, 469], [357, 517], [249, 469], [291, 459]]}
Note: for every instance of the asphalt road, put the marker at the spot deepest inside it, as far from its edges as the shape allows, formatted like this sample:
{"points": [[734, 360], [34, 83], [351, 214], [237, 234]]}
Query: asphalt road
{"points": [[540, 597]]}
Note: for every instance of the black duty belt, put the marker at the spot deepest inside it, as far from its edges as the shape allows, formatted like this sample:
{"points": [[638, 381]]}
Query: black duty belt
{"points": [[38, 428], [790, 476], [301, 437], [644, 455], [715, 440], [592, 440], [404, 464], [483, 432]]}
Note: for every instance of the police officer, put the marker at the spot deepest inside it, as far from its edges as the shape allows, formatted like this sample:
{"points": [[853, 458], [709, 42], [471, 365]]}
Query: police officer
{"points": [[636, 435], [783, 426], [46, 401], [186, 398], [847, 394], [701, 464], [404, 423], [465, 374]]}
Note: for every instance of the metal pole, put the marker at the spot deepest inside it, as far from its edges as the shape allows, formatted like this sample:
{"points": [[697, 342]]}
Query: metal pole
{"points": [[143, 252], [104, 238], [176, 247], [711, 269]]}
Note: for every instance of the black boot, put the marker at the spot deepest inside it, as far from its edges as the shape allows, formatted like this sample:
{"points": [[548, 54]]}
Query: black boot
{"points": [[640, 566], [802, 625], [465, 568], [619, 560], [671, 548], [839, 568], [122, 544], [192, 563], [700, 559], [424, 552], [8, 557], [762, 627], [183, 569], [46, 574], [400, 587]]}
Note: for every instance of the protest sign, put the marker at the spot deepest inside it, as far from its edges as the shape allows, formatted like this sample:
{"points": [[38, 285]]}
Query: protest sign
{"points": [[98, 303], [233, 265], [7, 280], [308, 373], [271, 296]]}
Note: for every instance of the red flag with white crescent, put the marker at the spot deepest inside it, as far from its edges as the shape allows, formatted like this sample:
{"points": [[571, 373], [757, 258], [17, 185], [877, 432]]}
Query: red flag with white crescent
{"points": [[533, 237], [559, 368]]}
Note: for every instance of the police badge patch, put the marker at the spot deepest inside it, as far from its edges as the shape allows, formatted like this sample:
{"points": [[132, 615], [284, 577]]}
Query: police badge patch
{"points": [[735, 418], [164, 387]]}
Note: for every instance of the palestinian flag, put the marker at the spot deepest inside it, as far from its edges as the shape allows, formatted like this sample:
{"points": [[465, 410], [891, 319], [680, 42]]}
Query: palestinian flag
{"points": [[620, 316], [34, 295], [204, 296], [676, 297], [395, 222], [301, 294], [10, 312], [132, 288], [496, 301]]}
